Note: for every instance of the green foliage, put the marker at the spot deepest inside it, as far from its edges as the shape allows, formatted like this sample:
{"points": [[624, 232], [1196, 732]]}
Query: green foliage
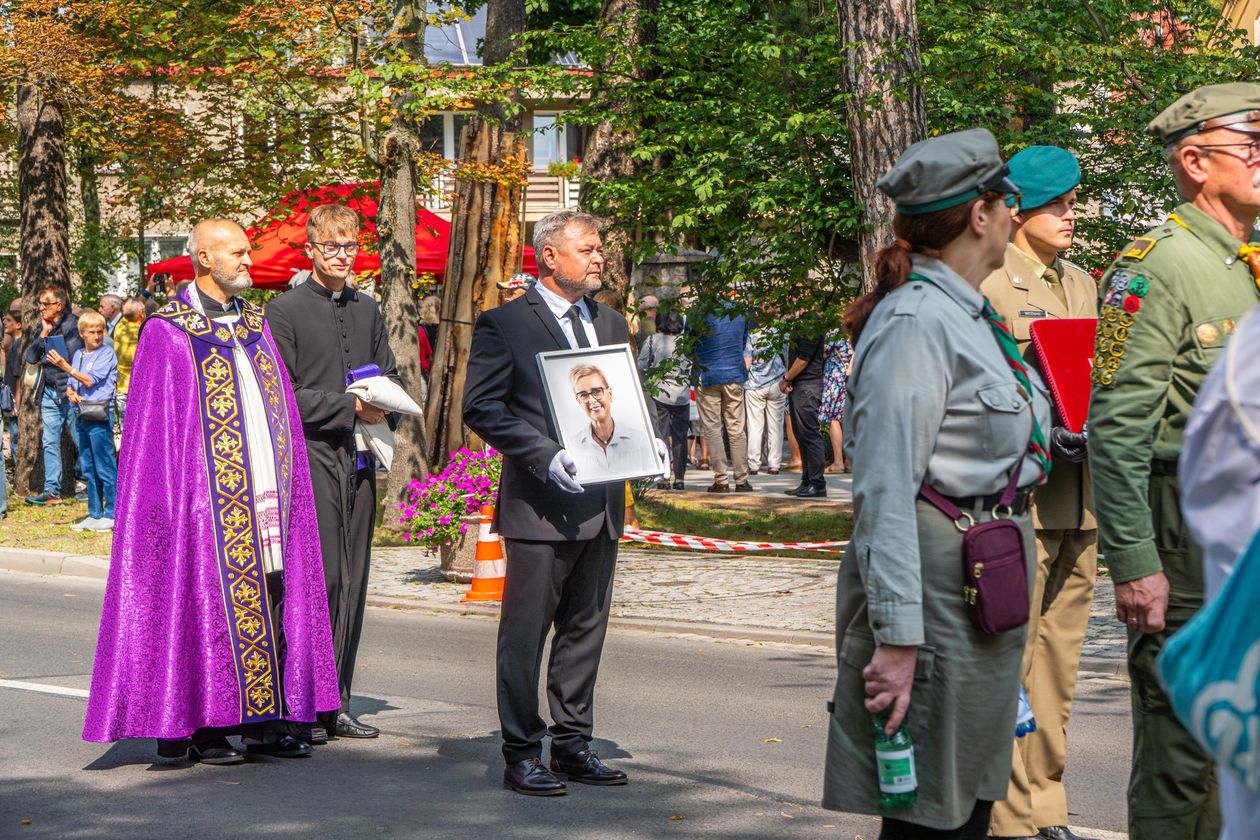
{"points": [[1084, 75]]}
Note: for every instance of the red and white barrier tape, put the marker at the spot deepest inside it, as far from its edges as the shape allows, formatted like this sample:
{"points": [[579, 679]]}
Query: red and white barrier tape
{"points": [[710, 544]]}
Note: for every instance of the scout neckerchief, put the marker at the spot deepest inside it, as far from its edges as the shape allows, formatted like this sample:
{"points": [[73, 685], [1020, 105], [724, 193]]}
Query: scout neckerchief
{"points": [[1010, 350]]}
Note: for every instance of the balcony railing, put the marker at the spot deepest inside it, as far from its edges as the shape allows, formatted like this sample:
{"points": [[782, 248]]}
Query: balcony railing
{"points": [[543, 194]]}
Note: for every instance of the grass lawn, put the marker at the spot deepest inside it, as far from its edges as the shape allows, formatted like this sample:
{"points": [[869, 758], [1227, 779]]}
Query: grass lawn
{"points": [[47, 527], [760, 519]]}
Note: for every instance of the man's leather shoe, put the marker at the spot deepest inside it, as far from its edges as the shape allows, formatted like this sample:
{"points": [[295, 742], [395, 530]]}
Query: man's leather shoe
{"points": [[285, 746], [795, 491], [1058, 832], [349, 727], [744, 487], [216, 751], [531, 778], [816, 492], [585, 767], [719, 487]]}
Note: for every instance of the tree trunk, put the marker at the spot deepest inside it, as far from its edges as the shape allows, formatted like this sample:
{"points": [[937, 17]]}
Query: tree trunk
{"points": [[44, 236], [396, 226], [607, 156], [485, 237], [93, 253], [485, 240], [880, 40]]}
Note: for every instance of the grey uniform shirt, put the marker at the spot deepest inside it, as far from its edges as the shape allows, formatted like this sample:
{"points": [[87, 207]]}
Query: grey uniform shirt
{"points": [[931, 397]]}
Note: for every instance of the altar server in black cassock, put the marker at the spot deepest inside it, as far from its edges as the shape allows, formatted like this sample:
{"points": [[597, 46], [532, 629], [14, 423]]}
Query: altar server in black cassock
{"points": [[325, 329]]}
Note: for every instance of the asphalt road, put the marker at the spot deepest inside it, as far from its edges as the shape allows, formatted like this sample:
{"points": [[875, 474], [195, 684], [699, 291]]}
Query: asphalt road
{"points": [[690, 719]]}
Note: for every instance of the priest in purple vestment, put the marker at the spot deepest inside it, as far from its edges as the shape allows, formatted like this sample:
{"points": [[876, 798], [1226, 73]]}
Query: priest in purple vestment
{"points": [[215, 619]]}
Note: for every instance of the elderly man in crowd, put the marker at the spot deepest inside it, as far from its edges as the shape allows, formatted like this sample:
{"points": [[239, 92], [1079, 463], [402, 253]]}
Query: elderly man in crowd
{"points": [[718, 353], [216, 527], [110, 307]]}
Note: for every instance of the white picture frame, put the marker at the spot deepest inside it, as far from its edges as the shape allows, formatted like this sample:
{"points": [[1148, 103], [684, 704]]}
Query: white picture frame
{"points": [[630, 452]]}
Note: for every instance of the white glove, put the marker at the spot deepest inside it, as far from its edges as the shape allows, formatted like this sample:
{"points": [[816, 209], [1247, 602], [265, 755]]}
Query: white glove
{"points": [[663, 451], [563, 470]]}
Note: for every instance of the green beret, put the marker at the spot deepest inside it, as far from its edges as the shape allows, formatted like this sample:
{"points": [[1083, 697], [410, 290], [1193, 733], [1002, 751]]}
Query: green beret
{"points": [[945, 171], [1043, 173], [1235, 105]]}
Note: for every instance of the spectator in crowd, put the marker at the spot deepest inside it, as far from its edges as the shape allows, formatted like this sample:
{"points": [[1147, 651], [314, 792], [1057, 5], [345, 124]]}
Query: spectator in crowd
{"points": [[719, 359], [698, 448], [764, 401], [671, 393], [6, 403], [835, 374], [649, 307], [110, 307], [430, 317], [795, 463], [126, 338], [158, 289], [57, 327], [92, 374], [13, 361], [516, 286], [803, 383]]}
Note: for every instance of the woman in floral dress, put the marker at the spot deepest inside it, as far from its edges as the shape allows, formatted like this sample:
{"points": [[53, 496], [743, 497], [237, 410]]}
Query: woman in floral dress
{"points": [[831, 409]]}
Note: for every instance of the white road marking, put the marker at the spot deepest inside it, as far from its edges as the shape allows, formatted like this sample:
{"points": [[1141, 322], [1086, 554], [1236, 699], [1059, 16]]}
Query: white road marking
{"points": [[44, 688], [1099, 834]]}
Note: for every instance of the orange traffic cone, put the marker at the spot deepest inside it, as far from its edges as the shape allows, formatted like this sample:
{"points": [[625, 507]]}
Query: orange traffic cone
{"points": [[490, 565]]}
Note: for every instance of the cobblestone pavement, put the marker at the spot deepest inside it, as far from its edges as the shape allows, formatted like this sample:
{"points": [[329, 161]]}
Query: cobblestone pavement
{"points": [[723, 589]]}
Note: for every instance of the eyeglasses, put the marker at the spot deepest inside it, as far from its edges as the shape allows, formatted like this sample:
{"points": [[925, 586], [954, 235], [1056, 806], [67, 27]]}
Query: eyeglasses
{"points": [[596, 394], [44, 304], [1253, 149], [331, 249]]}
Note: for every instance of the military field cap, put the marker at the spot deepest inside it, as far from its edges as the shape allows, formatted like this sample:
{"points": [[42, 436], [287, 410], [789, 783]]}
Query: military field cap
{"points": [[945, 171], [1235, 105], [1043, 173], [517, 281]]}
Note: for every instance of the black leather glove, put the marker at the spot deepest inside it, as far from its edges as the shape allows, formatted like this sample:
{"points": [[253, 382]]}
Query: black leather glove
{"points": [[1068, 445]]}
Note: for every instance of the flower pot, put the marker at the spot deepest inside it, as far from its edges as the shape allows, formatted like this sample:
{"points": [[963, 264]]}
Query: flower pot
{"points": [[457, 559]]}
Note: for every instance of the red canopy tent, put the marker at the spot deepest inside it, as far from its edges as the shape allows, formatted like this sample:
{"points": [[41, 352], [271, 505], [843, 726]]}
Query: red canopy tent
{"points": [[279, 236]]}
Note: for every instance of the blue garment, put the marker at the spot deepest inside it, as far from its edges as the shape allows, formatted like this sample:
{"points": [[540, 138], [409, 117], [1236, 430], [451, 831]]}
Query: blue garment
{"points": [[100, 466], [719, 349], [54, 411], [769, 363], [4, 490], [54, 377], [101, 366]]}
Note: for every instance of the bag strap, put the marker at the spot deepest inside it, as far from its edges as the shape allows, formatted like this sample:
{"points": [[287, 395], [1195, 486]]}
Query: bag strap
{"points": [[952, 510]]}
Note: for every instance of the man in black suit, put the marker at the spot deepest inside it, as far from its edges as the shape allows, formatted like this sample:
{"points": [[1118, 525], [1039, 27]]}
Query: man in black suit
{"points": [[561, 539]]}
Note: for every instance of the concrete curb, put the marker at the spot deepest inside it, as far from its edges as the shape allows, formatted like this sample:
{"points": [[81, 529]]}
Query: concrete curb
{"points": [[35, 561]]}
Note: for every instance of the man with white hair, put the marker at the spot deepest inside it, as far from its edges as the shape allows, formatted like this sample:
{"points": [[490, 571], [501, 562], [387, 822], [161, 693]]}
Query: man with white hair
{"points": [[1170, 303]]}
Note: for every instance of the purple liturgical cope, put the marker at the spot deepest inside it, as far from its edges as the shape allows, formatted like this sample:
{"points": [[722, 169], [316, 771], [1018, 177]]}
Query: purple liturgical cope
{"points": [[186, 638]]}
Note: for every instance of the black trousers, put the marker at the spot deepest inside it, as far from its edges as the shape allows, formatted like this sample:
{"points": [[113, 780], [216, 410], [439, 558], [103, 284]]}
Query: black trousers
{"points": [[347, 518], [803, 403], [674, 423], [975, 828], [567, 585]]}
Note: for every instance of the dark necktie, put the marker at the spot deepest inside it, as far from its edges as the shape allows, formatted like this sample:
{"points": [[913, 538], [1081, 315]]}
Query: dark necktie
{"points": [[579, 331]]}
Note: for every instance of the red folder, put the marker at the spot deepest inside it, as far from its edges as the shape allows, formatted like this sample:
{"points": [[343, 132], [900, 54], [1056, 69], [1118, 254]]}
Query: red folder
{"points": [[1065, 348]]}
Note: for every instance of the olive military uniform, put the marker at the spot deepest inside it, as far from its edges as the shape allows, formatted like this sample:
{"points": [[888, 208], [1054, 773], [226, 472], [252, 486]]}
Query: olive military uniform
{"points": [[1023, 292], [1169, 304]]}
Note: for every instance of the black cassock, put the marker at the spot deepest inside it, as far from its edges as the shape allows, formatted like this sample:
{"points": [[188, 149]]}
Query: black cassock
{"points": [[321, 337]]}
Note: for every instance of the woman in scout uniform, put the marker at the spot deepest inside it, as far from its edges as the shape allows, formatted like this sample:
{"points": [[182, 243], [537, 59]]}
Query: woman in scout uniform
{"points": [[938, 396], [1169, 304]]}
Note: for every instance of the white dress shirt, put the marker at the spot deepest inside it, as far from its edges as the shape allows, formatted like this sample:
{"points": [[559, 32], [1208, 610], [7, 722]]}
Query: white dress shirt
{"points": [[560, 308]]}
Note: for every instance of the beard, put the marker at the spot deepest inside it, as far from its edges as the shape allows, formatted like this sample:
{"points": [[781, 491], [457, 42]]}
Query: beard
{"points": [[230, 283], [580, 286]]}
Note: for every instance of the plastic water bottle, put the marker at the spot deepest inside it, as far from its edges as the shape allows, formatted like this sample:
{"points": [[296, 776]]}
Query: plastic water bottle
{"points": [[1024, 720], [894, 759]]}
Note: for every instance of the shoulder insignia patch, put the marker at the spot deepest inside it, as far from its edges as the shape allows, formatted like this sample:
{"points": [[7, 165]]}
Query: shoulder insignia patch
{"points": [[1114, 325], [1138, 249]]}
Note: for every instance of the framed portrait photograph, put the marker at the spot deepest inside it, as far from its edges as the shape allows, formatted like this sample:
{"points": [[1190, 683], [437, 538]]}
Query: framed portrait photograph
{"points": [[600, 413]]}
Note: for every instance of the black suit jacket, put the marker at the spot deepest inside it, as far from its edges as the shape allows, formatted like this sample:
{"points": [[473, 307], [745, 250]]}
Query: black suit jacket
{"points": [[504, 403]]}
